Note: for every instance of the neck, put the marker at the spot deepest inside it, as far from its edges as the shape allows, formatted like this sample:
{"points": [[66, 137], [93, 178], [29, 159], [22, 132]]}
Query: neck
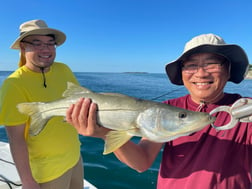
{"points": [[37, 68], [210, 100]]}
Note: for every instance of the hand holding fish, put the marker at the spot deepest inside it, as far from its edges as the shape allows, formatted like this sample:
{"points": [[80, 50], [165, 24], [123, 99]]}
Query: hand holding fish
{"points": [[82, 115]]}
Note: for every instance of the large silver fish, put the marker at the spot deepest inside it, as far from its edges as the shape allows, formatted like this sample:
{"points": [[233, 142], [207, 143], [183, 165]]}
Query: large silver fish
{"points": [[127, 116]]}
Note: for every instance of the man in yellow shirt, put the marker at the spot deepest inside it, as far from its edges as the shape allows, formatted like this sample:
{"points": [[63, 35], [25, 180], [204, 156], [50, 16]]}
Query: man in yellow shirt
{"points": [[52, 158]]}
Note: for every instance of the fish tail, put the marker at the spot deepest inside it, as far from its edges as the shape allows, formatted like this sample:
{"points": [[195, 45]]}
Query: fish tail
{"points": [[114, 140], [37, 119]]}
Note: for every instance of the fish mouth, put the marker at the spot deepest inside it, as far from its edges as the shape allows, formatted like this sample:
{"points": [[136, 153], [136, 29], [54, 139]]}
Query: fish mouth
{"points": [[211, 119]]}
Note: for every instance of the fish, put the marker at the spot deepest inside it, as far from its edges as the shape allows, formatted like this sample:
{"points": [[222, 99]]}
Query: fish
{"points": [[125, 115]]}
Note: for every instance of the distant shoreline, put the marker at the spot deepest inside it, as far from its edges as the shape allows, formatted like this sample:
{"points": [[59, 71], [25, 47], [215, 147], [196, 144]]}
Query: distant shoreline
{"points": [[136, 72], [249, 75]]}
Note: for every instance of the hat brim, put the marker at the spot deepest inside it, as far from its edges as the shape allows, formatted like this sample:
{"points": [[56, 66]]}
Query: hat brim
{"points": [[234, 53], [60, 37]]}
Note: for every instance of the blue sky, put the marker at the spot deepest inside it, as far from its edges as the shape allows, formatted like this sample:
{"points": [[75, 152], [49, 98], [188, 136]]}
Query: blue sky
{"points": [[125, 35]]}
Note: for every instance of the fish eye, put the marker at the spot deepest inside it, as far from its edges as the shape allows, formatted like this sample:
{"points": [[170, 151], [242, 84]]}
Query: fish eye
{"points": [[182, 115]]}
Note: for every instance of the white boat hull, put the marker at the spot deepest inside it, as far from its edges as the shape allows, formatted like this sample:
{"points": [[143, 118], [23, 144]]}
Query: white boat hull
{"points": [[8, 173]]}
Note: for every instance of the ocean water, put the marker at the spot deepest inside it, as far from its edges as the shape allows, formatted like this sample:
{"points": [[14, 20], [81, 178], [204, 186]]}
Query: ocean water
{"points": [[105, 171]]}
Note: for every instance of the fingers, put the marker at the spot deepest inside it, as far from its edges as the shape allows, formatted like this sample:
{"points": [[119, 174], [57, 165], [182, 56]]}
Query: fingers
{"points": [[86, 119], [81, 112], [92, 114], [69, 114], [82, 115], [73, 112]]}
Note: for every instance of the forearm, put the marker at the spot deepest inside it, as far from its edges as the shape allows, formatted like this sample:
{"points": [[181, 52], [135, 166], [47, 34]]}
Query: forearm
{"points": [[21, 158], [138, 156], [19, 153]]}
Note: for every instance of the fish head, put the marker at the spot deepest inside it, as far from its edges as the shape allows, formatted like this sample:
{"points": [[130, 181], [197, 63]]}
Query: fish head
{"points": [[167, 123]]}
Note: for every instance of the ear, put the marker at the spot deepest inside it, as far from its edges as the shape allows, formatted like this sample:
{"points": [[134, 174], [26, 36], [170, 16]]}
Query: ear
{"points": [[228, 68], [22, 46]]}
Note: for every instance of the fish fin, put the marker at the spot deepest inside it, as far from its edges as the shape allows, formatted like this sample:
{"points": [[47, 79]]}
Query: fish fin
{"points": [[114, 140], [73, 89], [37, 122]]}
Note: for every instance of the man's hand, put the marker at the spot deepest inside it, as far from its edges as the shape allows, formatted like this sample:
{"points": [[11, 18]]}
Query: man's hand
{"points": [[82, 116]]}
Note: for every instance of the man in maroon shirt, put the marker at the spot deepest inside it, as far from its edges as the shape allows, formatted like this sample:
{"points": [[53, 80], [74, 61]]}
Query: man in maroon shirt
{"points": [[206, 159]]}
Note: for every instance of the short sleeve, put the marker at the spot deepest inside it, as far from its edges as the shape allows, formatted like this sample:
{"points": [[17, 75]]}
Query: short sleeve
{"points": [[10, 96]]}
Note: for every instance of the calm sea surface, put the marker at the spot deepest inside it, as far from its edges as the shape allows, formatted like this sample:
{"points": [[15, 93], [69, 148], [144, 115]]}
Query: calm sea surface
{"points": [[105, 171]]}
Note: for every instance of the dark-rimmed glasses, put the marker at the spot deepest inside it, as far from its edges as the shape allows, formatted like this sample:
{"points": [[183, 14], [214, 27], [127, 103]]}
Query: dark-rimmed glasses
{"points": [[41, 45]]}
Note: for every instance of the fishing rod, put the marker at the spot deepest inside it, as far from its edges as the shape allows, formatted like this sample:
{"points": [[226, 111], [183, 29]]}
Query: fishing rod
{"points": [[155, 98]]}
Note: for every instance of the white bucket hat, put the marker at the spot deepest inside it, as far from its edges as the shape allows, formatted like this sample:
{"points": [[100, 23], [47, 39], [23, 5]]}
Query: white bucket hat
{"points": [[37, 27], [210, 43]]}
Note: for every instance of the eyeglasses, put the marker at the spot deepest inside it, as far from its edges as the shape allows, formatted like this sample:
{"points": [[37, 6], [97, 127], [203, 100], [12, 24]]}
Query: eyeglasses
{"points": [[208, 67], [41, 45]]}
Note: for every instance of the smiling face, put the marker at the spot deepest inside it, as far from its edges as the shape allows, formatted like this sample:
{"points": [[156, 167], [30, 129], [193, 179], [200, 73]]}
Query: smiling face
{"points": [[39, 51], [205, 76]]}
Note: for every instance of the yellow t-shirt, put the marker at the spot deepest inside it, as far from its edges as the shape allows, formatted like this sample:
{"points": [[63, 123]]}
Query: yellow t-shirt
{"points": [[57, 148]]}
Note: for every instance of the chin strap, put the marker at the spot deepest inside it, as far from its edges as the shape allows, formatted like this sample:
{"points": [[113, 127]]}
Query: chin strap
{"points": [[201, 105], [43, 74]]}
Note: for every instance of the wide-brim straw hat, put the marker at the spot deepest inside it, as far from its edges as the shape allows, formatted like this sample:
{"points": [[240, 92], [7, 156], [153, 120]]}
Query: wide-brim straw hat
{"points": [[38, 27], [211, 43]]}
